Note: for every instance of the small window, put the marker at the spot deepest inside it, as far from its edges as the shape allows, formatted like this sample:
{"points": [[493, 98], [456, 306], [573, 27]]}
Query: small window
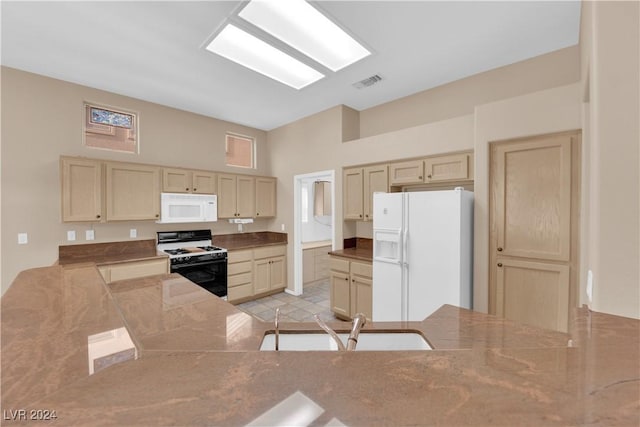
{"points": [[110, 128], [240, 151]]}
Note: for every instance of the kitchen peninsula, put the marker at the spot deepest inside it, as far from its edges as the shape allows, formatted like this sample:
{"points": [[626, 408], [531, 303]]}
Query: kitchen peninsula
{"points": [[196, 363]]}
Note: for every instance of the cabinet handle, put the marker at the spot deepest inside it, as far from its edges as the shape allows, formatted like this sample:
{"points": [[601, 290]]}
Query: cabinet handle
{"points": [[420, 177], [98, 216], [157, 215], [360, 215], [346, 278], [367, 216], [187, 189], [429, 176], [499, 249], [257, 213], [194, 189], [499, 264]]}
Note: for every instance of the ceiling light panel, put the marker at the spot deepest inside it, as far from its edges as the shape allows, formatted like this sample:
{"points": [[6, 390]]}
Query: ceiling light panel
{"points": [[245, 49], [304, 28]]}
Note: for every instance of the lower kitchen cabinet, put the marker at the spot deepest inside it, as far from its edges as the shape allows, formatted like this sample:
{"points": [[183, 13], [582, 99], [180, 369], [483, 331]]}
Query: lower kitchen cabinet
{"points": [[253, 273], [315, 264], [133, 269], [351, 287]]}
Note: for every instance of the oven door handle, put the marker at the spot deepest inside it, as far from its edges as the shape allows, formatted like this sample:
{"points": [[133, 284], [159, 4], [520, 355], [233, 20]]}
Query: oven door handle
{"points": [[176, 267]]}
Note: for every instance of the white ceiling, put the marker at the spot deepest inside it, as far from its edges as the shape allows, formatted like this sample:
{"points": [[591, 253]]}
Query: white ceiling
{"points": [[155, 50]]}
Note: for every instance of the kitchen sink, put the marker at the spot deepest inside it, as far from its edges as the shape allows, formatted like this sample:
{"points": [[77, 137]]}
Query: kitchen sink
{"points": [[367, 341]]}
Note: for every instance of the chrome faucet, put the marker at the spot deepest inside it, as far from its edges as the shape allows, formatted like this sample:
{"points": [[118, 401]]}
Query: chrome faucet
{"points": [[358, 322], [277, 329]]}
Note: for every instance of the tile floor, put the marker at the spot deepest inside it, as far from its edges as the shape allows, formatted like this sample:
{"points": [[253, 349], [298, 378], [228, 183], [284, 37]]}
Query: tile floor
{"points": [[314, 300]]}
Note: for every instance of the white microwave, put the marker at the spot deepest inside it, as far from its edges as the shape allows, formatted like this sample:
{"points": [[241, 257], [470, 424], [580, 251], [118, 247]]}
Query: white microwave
{"points": [[181, 207]]}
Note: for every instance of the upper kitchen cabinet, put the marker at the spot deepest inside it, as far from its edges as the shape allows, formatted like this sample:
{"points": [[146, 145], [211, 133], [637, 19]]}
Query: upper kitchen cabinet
{"points": [[406, 173], [188, 181], [359, 186], [236, 196], [81, 189], [455, 167], [133, 192], [265, 197]]}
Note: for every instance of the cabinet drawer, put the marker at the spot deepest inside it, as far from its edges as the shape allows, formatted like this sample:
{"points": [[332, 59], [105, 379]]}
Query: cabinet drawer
{"points": [[239, 256], [362, 269], [339, 264], [269, 251], [137, 269], [237, 292], [239, 280], [239, 267]]}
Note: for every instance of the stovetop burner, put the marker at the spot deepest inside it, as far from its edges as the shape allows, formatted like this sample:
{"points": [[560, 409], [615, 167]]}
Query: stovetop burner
{"points": [[176, 251]]}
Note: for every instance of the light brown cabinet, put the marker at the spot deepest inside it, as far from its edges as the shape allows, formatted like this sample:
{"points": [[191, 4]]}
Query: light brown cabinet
{"points": [[265, 203], [315, 264], [350, 287], [176, 180], [240, 275], [236, 196], [133, 269], [359, 186], [132, 191], [455, 167], [81, 189], [269, 269], [406, 173]]}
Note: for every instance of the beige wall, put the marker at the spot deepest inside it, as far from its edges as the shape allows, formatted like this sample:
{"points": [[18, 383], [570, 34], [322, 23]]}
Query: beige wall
{"points": [[610, 65], [42, 119], [459, 98], [315, 144]]}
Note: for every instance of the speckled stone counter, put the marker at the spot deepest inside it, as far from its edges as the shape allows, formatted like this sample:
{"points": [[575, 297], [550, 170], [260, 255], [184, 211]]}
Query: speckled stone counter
{"points": [[198, 363], [109, 252], [239, 241]]}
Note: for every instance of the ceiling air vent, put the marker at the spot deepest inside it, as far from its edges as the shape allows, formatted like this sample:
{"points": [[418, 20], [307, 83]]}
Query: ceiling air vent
{"points": [[369, 81]]}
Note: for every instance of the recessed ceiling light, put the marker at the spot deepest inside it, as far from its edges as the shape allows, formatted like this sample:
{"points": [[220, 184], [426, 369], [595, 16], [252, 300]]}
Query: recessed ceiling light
{"points": [[304, 28], [245, 49]]}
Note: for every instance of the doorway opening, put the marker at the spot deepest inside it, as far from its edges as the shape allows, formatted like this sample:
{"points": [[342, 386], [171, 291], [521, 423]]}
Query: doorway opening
{"points": [[314, 217]]}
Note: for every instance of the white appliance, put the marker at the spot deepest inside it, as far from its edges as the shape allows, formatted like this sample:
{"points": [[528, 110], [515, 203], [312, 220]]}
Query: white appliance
{"points": [[422, 253], [181, 207]]}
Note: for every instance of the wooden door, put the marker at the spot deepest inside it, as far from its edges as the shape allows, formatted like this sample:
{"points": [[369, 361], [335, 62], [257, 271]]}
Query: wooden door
{"points": [[353, 194], [246, 196], [226, 196], [376, 179], [447, 168], [203, 182], [277, 273], [265, 197], [340, 294], [533, 242], [81, 189], [133, 192]]}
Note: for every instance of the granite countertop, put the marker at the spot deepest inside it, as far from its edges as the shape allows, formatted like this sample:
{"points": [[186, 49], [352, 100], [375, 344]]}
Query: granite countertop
{"points": [[197, 363], [360, 254], [109, 252], [239, 241]]}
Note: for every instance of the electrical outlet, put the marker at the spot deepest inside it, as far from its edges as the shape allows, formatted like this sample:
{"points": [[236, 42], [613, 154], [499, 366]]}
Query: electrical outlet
{"points": [[282, 227], [133, 233], [590, 286], [90, 235], [23, 238], [71, 235]]}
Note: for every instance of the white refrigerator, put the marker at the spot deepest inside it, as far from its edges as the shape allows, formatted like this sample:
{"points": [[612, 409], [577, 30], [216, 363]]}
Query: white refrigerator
{"points": [[422, 253]]}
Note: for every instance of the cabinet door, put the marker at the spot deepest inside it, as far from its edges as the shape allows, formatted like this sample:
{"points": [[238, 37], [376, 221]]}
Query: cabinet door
{"points": [[361, 296], [375, 180], [226, 196], [261, 276], [133, 192], [176, 180], [246, 196], [340, 294], [447, 168], [353, 194], [405, 173], [81, 189], [265, 197], [203, 182], [534, 293], [277, 273]]}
